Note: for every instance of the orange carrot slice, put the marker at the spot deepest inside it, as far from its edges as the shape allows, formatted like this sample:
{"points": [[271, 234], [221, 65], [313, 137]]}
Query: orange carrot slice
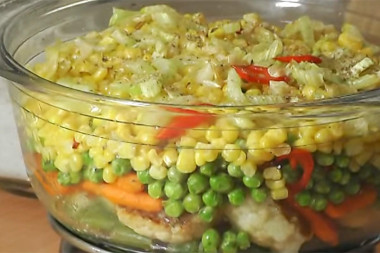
{"points": [[130, 183]]}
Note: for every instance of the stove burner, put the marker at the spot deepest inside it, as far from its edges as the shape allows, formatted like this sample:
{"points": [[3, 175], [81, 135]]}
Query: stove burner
{"points": [[72, 243]]}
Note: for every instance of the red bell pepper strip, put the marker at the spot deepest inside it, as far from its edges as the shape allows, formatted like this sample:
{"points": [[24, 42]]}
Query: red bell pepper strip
{"points": [[257, 74], [299, 58], [322, 226], [305, 159], [362, 200], [179, 124], [75, 144]]}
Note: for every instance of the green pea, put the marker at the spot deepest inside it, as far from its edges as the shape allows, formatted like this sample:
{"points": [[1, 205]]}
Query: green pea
{"points": [[121, 166], [375, 179], [253, 182], [291, 138], [243, 241], [234, 170], [207, 213], [93, 174], [64, 178], [228, 244], [192, 203], [75, 177], [336, 196], [335, 175], [212, 198], [86, 158], [208, 169], [318, 203], [319, 174], [155, 189], [221, 163], [342, 161], [322, 187], [259, 195], [144, 177], [48, 166], [352, 188], [174, 190], [175, 176], [210, 240], [365, 172], [291, 176], [221, 182], [197, 183], [173, 208], [304, 198], [346, 177], [324, 159], [236, 196]]}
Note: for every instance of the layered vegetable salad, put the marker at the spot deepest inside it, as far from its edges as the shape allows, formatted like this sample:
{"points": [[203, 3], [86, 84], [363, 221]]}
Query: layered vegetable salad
{"points": [[203, 154]]}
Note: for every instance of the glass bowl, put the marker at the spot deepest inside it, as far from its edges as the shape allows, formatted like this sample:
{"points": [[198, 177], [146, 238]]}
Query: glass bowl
{"points": [[93, 139]]}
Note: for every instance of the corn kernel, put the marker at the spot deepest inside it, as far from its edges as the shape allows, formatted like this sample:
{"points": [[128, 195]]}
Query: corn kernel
{"points": [[158, 172], [323, 136], [282, 149], [279, 194], [188, 142], [308, 131], [364, 157], [108, 175], [306, 143], [241, 159], [170, 157], [154, 158], [353, 147], [272, 173], [260, 156], [375, 161], [61, 162], [275, 184], [231, 152], [253, 139], [336, 130], [199, 158], [213, 133], [147, 138], [337, 147], [140, 163], [127, 150], [326, 148], [76, 162], [100, 74], [218, 143], [349, 41], [123, 132], [249, 168], [230, 134], [186, 161]]}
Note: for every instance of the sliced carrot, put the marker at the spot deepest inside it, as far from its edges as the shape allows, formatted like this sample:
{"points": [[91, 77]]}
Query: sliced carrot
{"points": [[364, 199], [130, 183], [140, 201]]}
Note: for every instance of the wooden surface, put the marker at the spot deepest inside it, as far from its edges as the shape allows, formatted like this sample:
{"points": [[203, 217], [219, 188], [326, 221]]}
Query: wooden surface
{"points": [[24, 226]]}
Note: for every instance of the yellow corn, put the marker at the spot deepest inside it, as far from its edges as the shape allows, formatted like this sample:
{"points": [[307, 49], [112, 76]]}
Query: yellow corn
{"points": [[323, 136], [147, 138], [154, 158], [187, 142], [76, 162], [249, 168], [213, 133], [275, 184], [200, 158], [272, 173], [260, 156], [253, 139], [158, 172], [338, 147], [350, 41], [325, 148], [279, 194], [61, 162], [336, 129], [353, 166], [140, 163], [186, 161], [231, 152], [132, 52], [364, 157], [282, 149], [170, 156], [375, 161], [100, 162], [100, 74], [108, 175], [123, 132], [230, 133], [353, 147], [127, 150], [241, 159], [218, 143], [306, 143]]}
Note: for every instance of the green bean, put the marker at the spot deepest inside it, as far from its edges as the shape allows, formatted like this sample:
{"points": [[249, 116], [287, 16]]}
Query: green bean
{"points": [[304, 198], [48, 166], [365, 172], [174, 190], [210, 240], [253, 182], [175, 176], [64, 178], [342, 161], [121, 166], [93, 174], [86, 158], [236, 196], [234, 170], [322, 187], [197, 183], [155, 189], [221, 182], [318, 203], [144, 177], [324, 159], [208, 169], [207, 213], [352, 187], [336, 196], [243, 241], [259, 195], [192, 203], [173, 208], [335, 175], [212, 198]]}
